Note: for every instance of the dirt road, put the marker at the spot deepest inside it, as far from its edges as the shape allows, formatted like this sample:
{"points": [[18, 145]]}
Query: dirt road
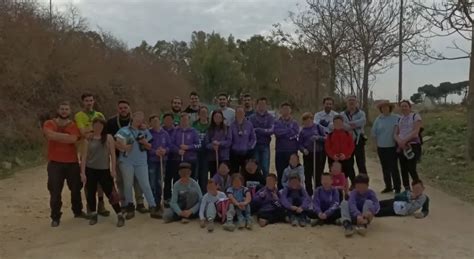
{"points": [[448, 232]]}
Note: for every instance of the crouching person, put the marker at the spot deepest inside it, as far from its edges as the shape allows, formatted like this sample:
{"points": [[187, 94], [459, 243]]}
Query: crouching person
{"points": [[325, 203], [267, 200], [296, 200], [407, 203], [361, 207], [186, 197], [208, 209], [240, 199]]}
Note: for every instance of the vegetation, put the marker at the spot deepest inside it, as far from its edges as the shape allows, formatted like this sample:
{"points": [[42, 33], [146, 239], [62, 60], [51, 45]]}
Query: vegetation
{"points": [[440, 92]]}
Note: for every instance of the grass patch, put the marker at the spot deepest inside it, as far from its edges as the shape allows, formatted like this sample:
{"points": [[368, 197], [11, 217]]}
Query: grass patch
{"points": [[29, 154]]}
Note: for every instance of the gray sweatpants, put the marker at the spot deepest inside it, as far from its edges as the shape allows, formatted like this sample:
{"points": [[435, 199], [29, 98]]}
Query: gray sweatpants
{"points": [[346, 214], [185, 202]]}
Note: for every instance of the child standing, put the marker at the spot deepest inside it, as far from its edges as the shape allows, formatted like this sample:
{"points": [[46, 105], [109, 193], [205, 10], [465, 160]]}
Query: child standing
{"points": [[325, 203], [339, 180], [407, 203], [294, 168], [267, 200], [208, 210], [296, 200], [339, 146], [240, 205], [222, 179], [361, 207]]}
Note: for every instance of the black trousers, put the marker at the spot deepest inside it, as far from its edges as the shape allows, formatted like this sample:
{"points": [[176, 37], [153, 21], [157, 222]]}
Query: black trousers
{"points": [[237, 161], [320, 159], [274, 216], [408, 167], [57, 174], [330, 220], [359, 155], [388, 160], [347, 168], [386, 208], [102, 177]]}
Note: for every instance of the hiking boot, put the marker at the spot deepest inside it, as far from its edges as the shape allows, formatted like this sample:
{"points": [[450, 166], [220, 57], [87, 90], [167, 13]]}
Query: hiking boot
{"points": [[120, 221], [210, 226], [338, 222], [130, 212], [101, 209], [229, 226], [294, 222], [262, 222], [249, 224], [361, 230], [185, 220], [55, 223], [81, 215], [348, 229], [141, 208], [302, 223], [93, 219], [387, 190], [154, 213]]}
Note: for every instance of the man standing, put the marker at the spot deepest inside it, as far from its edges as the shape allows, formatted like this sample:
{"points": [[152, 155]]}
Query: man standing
{"points": [[62, 135], [83, 121], [114, 124], [325, 117], [354, 121], [286, 133], [193, 108], [229, 113], [248, 106], [263, 123], [176, 105]]}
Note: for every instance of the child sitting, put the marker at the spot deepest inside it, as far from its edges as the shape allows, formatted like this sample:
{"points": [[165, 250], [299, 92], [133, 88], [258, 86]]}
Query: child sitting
{"points": [[295, 168], [240, 205], [222, 178], [267, 200], [208, 210], [253, 176], [339, 180], [407, 203], [296, 200], [325, 203], [361, 207]]}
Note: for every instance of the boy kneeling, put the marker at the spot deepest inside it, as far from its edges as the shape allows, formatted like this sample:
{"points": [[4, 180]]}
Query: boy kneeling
{"points": [[296, 200], [361, 207], [208, 209], [325, 203], [267, 200]]}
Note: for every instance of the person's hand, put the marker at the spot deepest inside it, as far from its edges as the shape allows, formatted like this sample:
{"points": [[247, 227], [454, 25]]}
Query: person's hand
{"points": [[83, 178], [360, 220], [275, 196], [241, 205], [215, 143], [367, 215], [181, 152], [419, 215], [184, 147], [215, 147], [186, 213], [342, 156], [143, 141], [352, 124], [314, 138], [128, 148], [113, 173], [293, 208], [202, 223], [401, 144], [305, 152], [299, 210], [322, 215]]}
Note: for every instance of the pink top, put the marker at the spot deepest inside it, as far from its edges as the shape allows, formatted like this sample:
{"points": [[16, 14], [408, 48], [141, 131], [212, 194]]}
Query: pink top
{"points": [[406, 125], [339, 180]]}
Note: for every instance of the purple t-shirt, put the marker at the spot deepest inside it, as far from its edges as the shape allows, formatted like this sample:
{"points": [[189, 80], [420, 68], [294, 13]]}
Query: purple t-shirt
{"points": [[406, 125]]}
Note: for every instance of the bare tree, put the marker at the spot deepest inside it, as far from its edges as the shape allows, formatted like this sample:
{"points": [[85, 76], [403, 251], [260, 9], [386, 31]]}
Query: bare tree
{"points": [[455, 17], [374, 31]]}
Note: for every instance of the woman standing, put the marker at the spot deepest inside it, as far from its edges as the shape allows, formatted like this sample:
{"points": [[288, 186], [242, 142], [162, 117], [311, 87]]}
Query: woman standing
{"points": [[202, 125], [98, 154], [243, 141], [218, 141], [383, 131], [409, 143]]}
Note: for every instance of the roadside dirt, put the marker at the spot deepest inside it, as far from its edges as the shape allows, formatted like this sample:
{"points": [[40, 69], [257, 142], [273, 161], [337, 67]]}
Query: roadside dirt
{"points": [[448, 232]]}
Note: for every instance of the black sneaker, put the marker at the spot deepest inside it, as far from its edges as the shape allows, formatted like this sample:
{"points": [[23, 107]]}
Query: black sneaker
{"points": [[141, 208], [81, 215], [93, 219], [120, 221], [130, 212], [348, 229], [55, 223], [387, 190], [155, 213], [101, 209]]}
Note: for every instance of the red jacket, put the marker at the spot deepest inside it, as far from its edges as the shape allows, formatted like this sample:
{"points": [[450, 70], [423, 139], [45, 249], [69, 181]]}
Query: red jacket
{"points": [[339, 141]]}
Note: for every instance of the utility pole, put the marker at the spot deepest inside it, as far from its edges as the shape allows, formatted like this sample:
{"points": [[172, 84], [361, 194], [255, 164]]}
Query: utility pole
{"points": [[50, 11], [400, 54]]}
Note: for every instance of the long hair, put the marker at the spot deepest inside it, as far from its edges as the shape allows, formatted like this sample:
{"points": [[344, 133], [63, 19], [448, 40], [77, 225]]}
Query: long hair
{"points": [[213, 127], [103, 134]]}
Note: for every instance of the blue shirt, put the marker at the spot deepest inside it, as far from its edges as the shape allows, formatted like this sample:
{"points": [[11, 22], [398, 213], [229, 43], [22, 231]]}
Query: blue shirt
{"points": [[239, 193], [383, 130], [136, 156]]}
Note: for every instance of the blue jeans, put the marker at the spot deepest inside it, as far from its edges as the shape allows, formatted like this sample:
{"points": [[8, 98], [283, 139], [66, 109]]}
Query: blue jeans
{"points": [[282, 160], [140, 172], [262, 155], [154, 171]]}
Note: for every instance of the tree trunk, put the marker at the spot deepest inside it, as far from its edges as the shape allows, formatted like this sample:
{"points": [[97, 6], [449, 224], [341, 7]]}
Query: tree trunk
{"points": [[470, 107], [365, 89], [332, 79]]}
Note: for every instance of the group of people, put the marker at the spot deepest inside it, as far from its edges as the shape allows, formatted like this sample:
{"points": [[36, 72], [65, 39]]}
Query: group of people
{"points": [[170, 160]]}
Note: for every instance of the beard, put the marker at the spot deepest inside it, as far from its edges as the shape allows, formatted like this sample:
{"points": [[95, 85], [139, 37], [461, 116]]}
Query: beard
{"points": [[63, 117], [176, 110]]}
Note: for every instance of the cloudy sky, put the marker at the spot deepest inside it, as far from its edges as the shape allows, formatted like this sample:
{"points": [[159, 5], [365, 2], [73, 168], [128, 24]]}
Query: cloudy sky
{"points": [[152, 20]]}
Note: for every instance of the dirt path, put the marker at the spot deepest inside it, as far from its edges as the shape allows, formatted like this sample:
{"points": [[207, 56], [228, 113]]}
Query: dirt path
{"points": [[25, 232]]}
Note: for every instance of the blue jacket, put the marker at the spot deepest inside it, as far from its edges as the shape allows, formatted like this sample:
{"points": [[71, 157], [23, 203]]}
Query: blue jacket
{"points": [[243, 137], [358, 118], [264, 126], [189, 137], [286, 132], [295, 197], [357, 200], [326, 202], [308, 136], [266, 199]]}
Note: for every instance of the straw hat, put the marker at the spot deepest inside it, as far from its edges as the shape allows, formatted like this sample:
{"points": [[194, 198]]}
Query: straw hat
{"points": [[383, 103]]}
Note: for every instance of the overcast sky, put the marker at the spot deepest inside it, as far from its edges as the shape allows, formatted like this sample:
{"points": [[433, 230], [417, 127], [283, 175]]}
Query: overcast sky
{"points": [[152, 20]]}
